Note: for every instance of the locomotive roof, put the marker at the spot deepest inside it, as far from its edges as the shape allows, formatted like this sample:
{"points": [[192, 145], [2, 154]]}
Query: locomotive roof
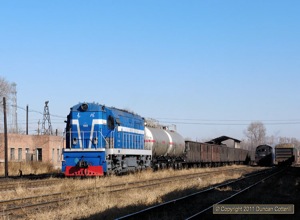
{"points": [[264, 146], [92, 106]]}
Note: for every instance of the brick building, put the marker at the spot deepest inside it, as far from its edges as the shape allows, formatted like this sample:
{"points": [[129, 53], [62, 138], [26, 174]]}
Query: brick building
{"points": [[43, 148]]}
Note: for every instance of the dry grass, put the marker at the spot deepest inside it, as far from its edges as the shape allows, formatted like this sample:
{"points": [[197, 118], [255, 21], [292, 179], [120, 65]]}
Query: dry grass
{"points": [[112, 205], [27, 168]]}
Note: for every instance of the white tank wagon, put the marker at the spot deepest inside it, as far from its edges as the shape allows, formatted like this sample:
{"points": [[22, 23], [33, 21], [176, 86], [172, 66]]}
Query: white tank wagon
{"points": [[168, 146]]}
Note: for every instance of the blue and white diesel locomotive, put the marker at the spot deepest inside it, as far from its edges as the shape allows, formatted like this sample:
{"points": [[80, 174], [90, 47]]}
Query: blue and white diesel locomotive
{"points": [[102, 140]]}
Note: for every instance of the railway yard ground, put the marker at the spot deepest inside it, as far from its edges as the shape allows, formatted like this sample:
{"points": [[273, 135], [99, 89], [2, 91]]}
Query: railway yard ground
{"points": [[134, 196]]}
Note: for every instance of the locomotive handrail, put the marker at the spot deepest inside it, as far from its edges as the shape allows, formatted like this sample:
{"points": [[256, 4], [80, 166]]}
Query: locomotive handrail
{"points": [[83, 137]]}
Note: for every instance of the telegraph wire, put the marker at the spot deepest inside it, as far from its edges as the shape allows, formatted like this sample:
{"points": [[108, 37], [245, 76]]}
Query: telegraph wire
{"points": [[238, 124], [193, 121], [250, 120], [39, 112]]}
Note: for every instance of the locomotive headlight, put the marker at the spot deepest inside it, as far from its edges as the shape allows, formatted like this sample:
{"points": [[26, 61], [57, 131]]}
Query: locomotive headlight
{"points": [[84, 107]]}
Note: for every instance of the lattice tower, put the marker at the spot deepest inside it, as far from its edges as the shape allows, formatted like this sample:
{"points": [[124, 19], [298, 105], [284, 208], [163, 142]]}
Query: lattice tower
{"points": [[46, 130]]}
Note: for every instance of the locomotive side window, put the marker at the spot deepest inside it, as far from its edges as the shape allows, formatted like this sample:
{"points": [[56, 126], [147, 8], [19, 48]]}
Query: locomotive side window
{"points": [[111, 122], [118, 121]]}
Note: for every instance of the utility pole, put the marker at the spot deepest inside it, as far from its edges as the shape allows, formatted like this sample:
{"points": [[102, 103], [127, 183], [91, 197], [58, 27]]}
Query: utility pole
{"points": [[27, 120], [38, 130], [5, 138]]}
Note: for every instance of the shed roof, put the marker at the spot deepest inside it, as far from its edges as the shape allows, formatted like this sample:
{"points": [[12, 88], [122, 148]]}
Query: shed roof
{"points": [[219, 140]]}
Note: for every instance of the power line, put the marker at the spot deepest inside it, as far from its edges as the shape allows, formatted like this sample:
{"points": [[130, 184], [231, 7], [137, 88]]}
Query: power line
{"points": [[236, 122], [197, 121], [250, 120], [39, 112], [194, 120], [34, 120]]}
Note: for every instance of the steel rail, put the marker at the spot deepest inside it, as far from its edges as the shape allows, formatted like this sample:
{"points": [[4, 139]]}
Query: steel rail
{"points": [[235, 194], [72, 195], [13, 185], [179, 176], [151, 182], [191, 195]]}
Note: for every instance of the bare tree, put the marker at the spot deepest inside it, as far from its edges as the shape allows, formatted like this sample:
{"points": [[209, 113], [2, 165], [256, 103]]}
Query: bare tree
{"points": [[290, 140], [5, 90], [256, 134], [271, 140]]}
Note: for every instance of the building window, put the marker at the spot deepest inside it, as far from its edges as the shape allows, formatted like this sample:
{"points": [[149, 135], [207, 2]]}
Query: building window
{"points": [[39, 154], [20, 154], [28, 156], [12, 153], [53, 155], [58, 155]]}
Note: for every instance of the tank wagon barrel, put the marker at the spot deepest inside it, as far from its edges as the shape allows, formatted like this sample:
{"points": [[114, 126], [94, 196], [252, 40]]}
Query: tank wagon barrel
{"points": [[168, 147]]}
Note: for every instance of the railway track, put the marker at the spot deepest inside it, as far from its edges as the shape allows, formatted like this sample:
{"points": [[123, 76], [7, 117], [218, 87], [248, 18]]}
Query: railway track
{"points": [[155, 182], [18, 205], [194, 205], [12, 185]]}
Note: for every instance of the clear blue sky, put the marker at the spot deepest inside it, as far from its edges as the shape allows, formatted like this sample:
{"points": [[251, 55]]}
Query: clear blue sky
{"points": [[210, 67]]}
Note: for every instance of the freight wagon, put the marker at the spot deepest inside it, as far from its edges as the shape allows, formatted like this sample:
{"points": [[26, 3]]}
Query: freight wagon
{"points": [[200, 154], [285, 154]]}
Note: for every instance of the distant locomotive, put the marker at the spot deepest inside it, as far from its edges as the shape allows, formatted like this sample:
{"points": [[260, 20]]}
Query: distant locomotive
{"points": [[286, 154], [103, 140], [264, 155]]}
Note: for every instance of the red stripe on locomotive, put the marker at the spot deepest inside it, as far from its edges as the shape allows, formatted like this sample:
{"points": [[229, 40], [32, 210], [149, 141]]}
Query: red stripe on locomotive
{"points": [[89, 171]]}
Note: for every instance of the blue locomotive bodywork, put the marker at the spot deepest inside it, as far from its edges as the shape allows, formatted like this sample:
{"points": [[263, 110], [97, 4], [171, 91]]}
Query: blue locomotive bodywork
{"points": [[101, 140]]}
